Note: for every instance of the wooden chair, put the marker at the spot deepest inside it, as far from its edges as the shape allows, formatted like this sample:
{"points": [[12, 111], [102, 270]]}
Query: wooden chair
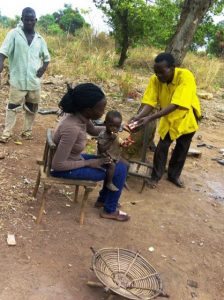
{"points": [[141, 169], [44, 176]]}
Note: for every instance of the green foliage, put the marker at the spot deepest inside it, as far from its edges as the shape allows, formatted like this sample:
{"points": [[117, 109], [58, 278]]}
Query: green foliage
{"points": [[217, 7], [204, 33], [55, 29], [161, 21], [130, 14], [154, 23], [68, 19], [135, 23], [163, 18], [4, 21], [46, 21], [127, 20], [216, 43], [47, 24], [65, 20]]}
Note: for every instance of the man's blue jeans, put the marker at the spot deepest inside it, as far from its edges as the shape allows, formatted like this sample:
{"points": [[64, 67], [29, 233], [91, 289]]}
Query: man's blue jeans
{"points": [[109, 198]]}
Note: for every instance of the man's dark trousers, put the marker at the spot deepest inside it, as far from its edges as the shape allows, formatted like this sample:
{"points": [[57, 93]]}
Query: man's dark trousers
{"points": [[178, 156]]}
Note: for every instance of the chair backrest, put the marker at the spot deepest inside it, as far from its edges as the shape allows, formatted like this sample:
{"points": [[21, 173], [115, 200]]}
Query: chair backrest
{"points": [[49, 150]]}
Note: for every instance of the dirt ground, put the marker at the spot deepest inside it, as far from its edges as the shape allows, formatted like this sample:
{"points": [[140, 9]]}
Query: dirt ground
{"points": [[52, 261]]}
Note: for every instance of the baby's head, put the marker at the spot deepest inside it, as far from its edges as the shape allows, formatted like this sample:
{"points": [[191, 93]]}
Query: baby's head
{"points": [[113, 121]]}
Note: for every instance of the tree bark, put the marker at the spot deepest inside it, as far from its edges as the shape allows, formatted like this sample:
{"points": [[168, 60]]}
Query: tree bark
{"points": [[124, 50], [192, 14], [124, 35]]}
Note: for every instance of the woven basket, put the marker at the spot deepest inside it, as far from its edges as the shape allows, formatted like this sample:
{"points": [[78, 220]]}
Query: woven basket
{"points": [[126, 273]]}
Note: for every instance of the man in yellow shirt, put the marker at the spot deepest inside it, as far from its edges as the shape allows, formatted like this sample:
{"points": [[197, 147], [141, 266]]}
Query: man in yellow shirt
{"points": [[174, 91]]}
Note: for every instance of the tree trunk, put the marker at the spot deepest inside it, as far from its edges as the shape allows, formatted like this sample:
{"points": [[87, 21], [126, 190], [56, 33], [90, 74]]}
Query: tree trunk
{"points": [[124, 36], [192, 14], [122, 40], [124, 49]]}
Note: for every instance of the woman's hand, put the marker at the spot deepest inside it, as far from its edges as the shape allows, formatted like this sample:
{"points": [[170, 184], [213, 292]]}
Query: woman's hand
{"points": [[98, 162]]}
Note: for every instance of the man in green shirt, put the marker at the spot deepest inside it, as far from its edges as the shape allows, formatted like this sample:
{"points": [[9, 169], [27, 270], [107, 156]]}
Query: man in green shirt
{"points": [[28, 59]]}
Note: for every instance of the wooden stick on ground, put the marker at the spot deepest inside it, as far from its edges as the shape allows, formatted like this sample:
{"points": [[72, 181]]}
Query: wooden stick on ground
{"points": [[95, 284]]}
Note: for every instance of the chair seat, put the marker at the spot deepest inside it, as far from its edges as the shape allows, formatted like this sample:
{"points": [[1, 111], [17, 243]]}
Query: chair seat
{"points": [[58, 180], [139, 169]]}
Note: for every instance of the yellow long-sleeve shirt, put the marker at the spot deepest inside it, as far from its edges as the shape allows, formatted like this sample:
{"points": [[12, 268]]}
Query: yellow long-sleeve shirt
{"points": [[182, 92]]}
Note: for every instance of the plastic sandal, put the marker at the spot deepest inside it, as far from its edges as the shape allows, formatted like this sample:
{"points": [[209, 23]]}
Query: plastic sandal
{"points": [[117, 216]]}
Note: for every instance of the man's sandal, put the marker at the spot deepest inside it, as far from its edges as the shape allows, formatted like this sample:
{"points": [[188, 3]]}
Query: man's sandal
{"points": [[5, 139], [151, 183], [221, 161], [26, 136], [117, 216]]}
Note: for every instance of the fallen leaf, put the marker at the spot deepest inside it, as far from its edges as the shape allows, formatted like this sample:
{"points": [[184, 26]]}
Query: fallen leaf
{"points": [[18, 143]]}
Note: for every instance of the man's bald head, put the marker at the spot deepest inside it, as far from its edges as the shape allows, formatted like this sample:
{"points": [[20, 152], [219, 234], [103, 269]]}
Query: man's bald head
{"points": [[28, 11]]}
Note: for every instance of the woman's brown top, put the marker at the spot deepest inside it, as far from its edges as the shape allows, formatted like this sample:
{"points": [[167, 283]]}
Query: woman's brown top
{"points": [[70, 137]]}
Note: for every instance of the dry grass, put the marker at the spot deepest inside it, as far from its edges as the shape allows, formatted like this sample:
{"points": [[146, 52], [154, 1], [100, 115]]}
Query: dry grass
{"points": [[82, 56], [206, 71], [90, 57]]}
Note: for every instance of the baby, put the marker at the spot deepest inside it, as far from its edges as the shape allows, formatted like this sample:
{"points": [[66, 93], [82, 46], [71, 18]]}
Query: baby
{"points": [[109, 144]]}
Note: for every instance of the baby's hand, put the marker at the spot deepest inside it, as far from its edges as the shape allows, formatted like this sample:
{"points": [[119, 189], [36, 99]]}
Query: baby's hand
{"points": [[127, 142], [114, 135], [121, 141]]}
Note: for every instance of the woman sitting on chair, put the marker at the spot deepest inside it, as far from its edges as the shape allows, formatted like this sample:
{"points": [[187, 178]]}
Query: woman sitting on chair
{"points": [[82, 104]]}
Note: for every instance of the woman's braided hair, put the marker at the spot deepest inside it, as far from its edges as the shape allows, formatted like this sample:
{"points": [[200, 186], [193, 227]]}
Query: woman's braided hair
{"points": [[84, 95]]}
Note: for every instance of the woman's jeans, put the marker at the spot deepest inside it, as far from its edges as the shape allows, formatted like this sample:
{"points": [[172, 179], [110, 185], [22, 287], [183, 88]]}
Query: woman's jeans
{"points": [[109, 198]]}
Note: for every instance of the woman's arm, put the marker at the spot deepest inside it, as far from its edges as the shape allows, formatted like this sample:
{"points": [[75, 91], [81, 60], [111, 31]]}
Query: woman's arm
{"points": [[61, 162], [94, 130], [69, 136]]}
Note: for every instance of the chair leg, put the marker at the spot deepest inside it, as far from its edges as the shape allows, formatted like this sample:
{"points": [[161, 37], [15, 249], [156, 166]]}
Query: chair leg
{"points": [[36, 185], [76, 193], [83, 205], [143, 186], [42, 207]]}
